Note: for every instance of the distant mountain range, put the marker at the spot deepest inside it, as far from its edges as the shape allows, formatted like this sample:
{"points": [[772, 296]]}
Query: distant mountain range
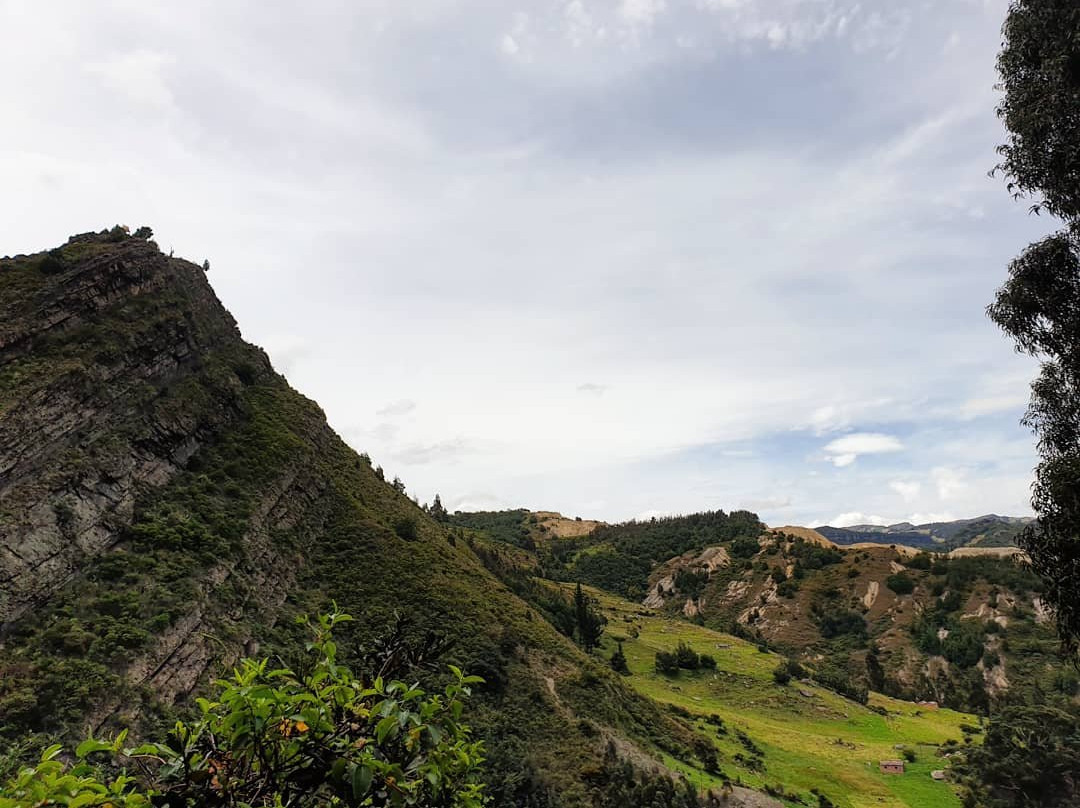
{"points": [[990, 530]]}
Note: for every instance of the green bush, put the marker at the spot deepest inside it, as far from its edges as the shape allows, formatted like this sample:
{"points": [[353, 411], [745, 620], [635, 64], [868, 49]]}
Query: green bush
{"points": [[788, 588], [900, 583], [745, 547], [276, 737], [840, 622], [667, 663], [687, 657], [922, 561], [405, 527], [787, 670]]}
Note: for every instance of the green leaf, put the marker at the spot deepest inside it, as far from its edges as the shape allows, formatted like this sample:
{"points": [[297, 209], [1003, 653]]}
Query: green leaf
{"points": [[361, 781], [151, 749], [90, 745], [385, 726], [337, 771], [87, 798]]}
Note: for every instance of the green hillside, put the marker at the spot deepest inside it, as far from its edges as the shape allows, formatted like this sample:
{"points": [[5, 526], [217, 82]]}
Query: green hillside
{"points": [[809, 737]]}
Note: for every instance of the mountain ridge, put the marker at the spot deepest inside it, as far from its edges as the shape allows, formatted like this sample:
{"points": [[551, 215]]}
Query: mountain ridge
{"points": [[988, 530], [168, 503]]}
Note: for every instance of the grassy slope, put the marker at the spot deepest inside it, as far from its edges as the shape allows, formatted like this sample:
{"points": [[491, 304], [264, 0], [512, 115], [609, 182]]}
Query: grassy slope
{"points": [[824, 741]]}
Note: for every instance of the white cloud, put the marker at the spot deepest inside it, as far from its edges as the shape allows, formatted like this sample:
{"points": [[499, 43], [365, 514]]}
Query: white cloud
{"points": [[842, 414], [509, 45], [645, 516], [579, 23], [432, 221], [446, 452], [907, 489], [927, 518], [641, 12], [765, 504], [138, 75], [949, 482], [592, 388], [856, 518], [844, 451], [401, 407]]}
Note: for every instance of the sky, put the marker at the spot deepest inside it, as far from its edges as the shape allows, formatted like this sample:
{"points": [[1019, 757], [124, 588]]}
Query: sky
{"points": [[616, 258]]}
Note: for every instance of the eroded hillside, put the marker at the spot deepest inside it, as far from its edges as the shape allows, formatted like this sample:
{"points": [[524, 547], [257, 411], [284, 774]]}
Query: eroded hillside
{"points": [[955, 628]]}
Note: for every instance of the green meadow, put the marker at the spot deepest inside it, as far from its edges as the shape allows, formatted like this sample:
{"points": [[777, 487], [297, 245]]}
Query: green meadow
{"points": [[806, 736]]}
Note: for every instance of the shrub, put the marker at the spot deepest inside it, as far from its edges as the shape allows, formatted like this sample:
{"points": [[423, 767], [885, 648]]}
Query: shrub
{"points": [[275, 737], [53, 263], [900, 583], [838, 679], [745, 547], [920, 562], [667, 663], [787, 670], [788, 588], [687, 657], [405, 527], [838, 622], [964, 645]]}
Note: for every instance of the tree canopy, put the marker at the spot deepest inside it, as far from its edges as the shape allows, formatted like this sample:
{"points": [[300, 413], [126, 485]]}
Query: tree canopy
{"points": [[1039, 304]]}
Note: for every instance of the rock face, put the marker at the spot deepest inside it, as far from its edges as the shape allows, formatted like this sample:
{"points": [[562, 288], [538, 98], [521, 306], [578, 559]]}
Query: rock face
{"points": [[75, 378], [705, 562]]}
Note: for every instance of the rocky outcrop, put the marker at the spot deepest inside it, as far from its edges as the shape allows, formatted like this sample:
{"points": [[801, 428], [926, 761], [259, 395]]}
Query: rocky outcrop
{"points": [[88, 356], [660, 590], [706, 561], [870, 597]]}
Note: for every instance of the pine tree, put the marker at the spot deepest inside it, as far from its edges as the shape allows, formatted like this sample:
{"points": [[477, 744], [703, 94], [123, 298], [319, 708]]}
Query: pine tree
{"points": [[618, 661], [437, 511], [590, 624]]}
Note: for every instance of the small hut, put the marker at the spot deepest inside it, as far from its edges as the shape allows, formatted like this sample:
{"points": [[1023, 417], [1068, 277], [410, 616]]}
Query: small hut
{"points": [[892, 766]]}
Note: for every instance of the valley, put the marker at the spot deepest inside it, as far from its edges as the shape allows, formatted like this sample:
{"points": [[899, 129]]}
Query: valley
{"points": [[808, 738], [171, 506]]}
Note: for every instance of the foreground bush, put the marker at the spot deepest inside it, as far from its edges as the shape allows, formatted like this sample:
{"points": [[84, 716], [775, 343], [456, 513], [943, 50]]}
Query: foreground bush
{"points": [[278, 738]]}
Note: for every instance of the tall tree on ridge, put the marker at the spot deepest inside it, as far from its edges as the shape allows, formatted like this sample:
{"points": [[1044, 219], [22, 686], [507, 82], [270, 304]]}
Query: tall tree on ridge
{"points": [[1039, 304], [590, 624]]}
